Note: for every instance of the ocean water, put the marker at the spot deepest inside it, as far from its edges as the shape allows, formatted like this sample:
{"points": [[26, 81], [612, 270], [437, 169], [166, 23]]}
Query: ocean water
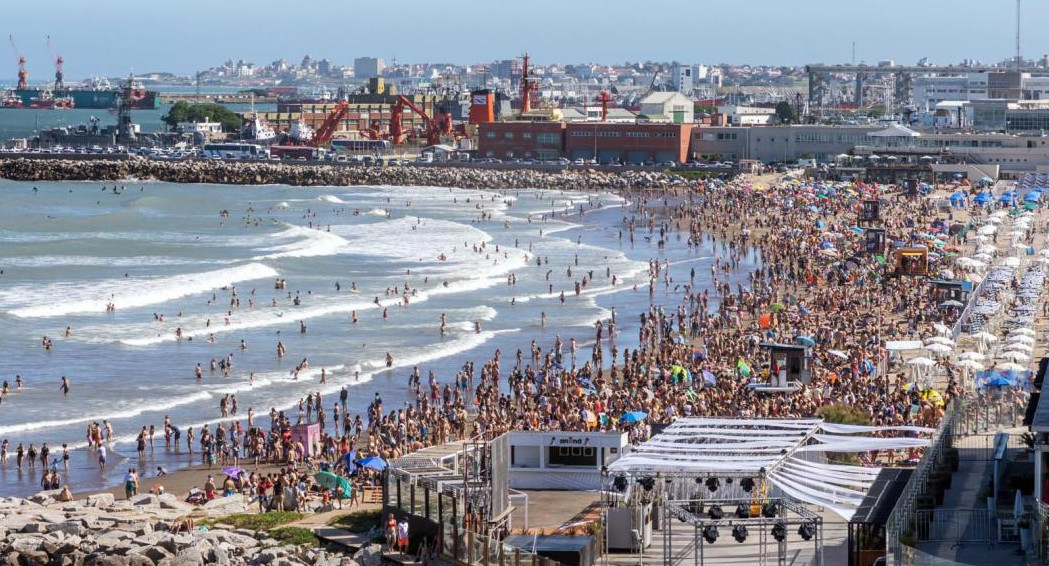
{"points": [[157, 249]]}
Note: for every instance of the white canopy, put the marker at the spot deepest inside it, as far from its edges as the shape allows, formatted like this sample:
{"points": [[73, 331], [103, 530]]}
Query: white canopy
{"points": [[699, 447]]}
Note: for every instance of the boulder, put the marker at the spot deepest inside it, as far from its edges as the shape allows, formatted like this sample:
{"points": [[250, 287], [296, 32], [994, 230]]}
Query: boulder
{"points": [[100, 500], [188, 557], [370, 555], [226, 505]]}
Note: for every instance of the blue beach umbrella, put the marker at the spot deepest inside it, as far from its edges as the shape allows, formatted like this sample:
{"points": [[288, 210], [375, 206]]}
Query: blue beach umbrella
{"points": [[633, 417], [373, 462], [999, 382], [806, 341]]}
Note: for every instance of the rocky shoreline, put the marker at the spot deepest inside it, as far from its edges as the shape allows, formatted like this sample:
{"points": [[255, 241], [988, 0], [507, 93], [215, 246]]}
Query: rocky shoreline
{"points": [[100, 531], [259, 173]]}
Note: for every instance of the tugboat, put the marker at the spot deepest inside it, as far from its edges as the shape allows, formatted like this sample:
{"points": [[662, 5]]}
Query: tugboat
{"points": [[50, 101], [11, 100]]}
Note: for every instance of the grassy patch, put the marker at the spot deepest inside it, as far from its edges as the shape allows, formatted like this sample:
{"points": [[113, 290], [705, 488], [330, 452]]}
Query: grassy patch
{"points": [[260, 521], [295, 535], [357, 522]]}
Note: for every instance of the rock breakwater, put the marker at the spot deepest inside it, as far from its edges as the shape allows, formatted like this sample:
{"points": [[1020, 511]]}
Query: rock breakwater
{"points": [[257, 173]]}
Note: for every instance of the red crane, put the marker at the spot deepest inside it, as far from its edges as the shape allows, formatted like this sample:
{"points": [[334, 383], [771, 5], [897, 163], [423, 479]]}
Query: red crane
{"points": [[23, 74], [604, 98], [433, 128], [59, 74], [327, 129], [528, 86]]}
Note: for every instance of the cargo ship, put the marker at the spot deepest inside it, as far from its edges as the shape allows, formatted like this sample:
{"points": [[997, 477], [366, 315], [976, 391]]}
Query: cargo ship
{"points": [[95, 95]]}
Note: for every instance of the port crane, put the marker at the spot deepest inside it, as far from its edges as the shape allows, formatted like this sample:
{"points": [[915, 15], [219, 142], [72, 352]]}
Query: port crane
{"points": [[327, 129], [529, 87], [23, 74], [604, 98], [59, 74]]}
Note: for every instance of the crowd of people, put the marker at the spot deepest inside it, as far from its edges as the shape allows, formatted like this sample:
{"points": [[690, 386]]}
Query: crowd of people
{"points": [[774, 280]]}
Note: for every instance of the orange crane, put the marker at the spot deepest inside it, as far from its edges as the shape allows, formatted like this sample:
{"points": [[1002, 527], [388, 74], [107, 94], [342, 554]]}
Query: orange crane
{"points": [[23, 74], [59, 74], [434, 128], [327, 129], [604, 98], [528, 87]]}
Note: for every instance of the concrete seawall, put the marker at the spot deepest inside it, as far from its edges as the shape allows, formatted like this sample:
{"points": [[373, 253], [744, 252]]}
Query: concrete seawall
{"points": [[307, 174]]}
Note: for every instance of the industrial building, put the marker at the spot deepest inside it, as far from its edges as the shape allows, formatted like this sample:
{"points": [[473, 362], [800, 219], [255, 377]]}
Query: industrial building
{"points": [[672, 107], [605, 142], [368, 67]]}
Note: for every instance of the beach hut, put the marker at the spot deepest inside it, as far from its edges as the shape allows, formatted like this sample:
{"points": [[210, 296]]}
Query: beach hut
{"points": [[309, 435]]}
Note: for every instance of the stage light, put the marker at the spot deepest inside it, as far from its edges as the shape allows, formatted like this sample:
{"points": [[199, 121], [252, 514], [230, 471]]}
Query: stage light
{"points": [[710, 533], [713, 484], [739, 532], [747, 484], [699, 480], [779, 531], [619, 483], [742, 512], [728, 481], [807, 531], [648, 483], [769, 510], [715, 512]]}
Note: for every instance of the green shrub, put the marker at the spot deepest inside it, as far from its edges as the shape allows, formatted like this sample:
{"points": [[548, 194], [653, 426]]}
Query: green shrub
{"points": [[358, 521], [260, 521], [295, 535]]}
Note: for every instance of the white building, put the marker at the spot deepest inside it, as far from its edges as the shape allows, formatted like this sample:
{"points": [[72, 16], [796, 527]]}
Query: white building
{"points": [[748, 115], [667, 107], [683, 79], [208, 130], [563, 460]]}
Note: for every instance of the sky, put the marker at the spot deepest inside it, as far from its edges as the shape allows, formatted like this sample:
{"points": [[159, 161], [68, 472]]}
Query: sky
{"points": [[115, 37]]}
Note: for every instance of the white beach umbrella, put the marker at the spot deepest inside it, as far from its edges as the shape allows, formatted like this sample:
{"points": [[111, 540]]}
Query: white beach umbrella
{"points": [[987, 249], [1009, 366], [1024, 331], [939, 348], [940, 340], [982, 238], [976, 356], [1011, 262], [1015, 356], [921, 362], [970, 365], [988, 230], [1019, 347], [985, 337], [839, 354], [1020, 338], [941, 327]]}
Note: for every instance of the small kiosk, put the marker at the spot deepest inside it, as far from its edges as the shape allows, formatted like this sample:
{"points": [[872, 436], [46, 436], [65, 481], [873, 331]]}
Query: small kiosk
{"points": [[870, 211], [912, 262], [951, 290], [563, 460], [309, 434], [874, 241], [788, 368]]}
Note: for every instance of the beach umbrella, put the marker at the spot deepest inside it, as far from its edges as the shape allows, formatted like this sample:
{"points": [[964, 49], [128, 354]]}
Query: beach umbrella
{"points": [[951, 303], [985, 249], [971, 365], [839, 354], [1022, 331], [1009, 366], [777, 307], [938, 348], [1020, 339], [941, 327], [233, 471], [1011, 262], [999, 382], [940, 340], [985, 337], [921, 362], [1015, 356], [987, 230], [1020, 347], [633, 416], [333, 481], [806, 341], [373, 462]]}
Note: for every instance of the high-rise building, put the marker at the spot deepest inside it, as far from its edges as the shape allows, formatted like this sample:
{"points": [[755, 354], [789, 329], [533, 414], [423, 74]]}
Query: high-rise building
{"points": [[683, 79], [368, 67]]}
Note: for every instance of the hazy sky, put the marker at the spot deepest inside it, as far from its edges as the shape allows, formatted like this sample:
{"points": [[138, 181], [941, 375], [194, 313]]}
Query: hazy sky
{"points": [[114, 37]]}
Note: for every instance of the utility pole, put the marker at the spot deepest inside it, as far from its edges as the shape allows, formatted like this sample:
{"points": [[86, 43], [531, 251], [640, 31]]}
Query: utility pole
{"points": [[1018, 60], [853, 52]]}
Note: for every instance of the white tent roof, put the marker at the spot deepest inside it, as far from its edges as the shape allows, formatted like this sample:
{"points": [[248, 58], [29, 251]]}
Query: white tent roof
{"points": [[786, 451], [894, 130]]}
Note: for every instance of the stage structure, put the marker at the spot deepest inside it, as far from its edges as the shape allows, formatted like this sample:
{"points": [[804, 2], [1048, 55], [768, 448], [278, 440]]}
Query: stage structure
{"points": [[740, 478]]}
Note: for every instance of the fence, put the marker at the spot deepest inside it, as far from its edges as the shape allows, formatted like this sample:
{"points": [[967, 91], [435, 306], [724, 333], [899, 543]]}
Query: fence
{"points": [[951, 525], [468, 548]]}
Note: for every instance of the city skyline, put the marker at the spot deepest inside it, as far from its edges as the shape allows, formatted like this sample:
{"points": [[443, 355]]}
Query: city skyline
{"points": [[119, 38]]}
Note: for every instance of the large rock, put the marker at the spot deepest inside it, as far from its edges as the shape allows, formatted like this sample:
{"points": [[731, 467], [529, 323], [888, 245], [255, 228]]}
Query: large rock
{"points": [[188, 557], [370, 555], [100, 500], [226, 505]]}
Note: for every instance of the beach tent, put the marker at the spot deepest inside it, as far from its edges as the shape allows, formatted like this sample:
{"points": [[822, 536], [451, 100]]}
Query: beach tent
{"points": [[333, 482], [373, 462], [982, 198]]}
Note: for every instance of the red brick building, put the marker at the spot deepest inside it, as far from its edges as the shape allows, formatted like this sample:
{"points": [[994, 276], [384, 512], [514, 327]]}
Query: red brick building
{"points": [[607, 142], [630, 144], [521, 140]]}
